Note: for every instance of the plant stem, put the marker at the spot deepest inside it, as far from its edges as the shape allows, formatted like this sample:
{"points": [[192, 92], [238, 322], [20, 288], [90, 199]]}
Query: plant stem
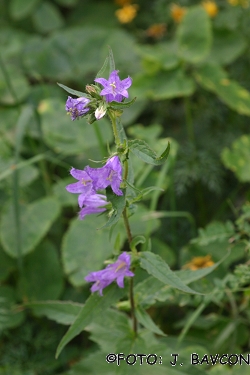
{"points": [[126, 222]]}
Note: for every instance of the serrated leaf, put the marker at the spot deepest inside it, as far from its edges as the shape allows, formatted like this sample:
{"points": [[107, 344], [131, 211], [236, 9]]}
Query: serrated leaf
{"points": [[147, 322], [142, 150], [62, 312], [194, 35], [35, 220], [158, 268], [71, 91], [94, 306]]}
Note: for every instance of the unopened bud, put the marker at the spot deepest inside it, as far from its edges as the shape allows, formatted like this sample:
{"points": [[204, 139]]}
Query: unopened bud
{"points": [[100, 112]]}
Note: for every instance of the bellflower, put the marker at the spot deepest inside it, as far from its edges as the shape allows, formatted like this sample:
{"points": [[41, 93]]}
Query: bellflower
{"points": [[76, 107], [116, 271], [92, 204], [114, 88], [108, 175], [84, 186]]}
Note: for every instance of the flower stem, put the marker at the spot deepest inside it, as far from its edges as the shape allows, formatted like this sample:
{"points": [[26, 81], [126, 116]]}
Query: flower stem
{"points": [[115, 131]]}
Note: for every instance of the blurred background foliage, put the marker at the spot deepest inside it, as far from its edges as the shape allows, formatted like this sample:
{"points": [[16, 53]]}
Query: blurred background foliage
{"points": [[190, 67]]}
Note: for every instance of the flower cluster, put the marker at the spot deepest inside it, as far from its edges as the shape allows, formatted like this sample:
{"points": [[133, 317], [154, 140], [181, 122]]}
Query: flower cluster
{"points": [[90, 180], [116, 271], [96, 102]]}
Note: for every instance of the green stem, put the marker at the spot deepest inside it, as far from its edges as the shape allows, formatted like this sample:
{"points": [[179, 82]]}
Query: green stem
{"points": [[125, 220], [99, 138]]}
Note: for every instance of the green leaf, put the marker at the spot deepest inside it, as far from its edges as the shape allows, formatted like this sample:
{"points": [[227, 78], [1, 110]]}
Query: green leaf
{"points": [[10, 315], [213, 78], [22, 8], [35, 284], [50, 13], [194, 35], [147, 322], [111, 61], [122, 105], [141, 149], [78, 243], [94, 306], [62, 312], [71, 91], [19, 83], [118, 204], [136, 241], [157, 267], [214, 231], [227, 46], [163, 85], [103, 68], [237, 158], [35, 220]]}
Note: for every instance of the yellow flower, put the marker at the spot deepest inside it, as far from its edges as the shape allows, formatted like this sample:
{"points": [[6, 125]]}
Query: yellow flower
{"points": [[127, 13], [177, 12], [157, 30], [243, 3], [199, 262], [210, 7]]}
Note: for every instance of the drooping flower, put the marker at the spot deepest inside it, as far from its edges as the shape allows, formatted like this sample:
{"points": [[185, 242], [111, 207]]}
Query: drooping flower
{"points": [[114, 88], [91, 204], [108, 175], [76, 107], [116, 271], [84, 186]]}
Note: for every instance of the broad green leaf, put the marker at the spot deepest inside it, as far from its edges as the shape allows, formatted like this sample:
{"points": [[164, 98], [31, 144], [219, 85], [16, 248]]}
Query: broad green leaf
{"points": [[194, 35], [22, 8], [159, 56], [71, 91], [109, 328], [35, 284], [147, 322], [94, 307], [215, 79], [78, 243], [237, 158], [35, 221], [50, 13], [118, 204], [19, 84], [62, 312], [163, 85], [10, 315], [156, 267], [141, 149], [68, 137], [227, 46]]}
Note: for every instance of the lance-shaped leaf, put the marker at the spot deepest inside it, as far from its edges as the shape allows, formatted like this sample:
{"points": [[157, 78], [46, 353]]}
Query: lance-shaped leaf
{"points": [[146, 321], [117, 105], [158, 268], [71, 91], [94, 306], [118, 204], [142, 150], [103, 68], [111, 61]]}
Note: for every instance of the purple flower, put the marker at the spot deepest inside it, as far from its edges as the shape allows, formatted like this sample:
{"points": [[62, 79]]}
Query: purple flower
{"points": [[76, 107], [114, 88], [83, 187], [92, 204], [116, 271], [108, 175]]}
